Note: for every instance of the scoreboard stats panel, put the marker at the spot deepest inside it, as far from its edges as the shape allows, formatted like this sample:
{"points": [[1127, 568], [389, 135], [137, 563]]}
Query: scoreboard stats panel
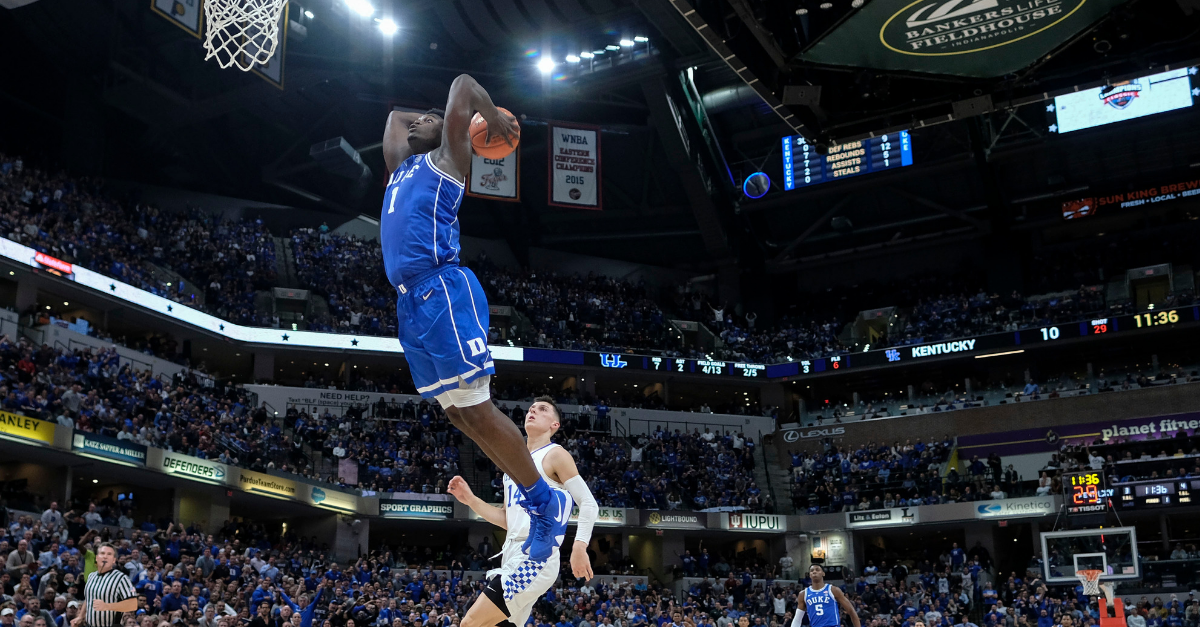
{"points": [[1086, 492], [802, 166]]}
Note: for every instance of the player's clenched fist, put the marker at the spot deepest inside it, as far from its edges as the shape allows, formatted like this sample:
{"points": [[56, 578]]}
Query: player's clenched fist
{"points": [[461, 491]]}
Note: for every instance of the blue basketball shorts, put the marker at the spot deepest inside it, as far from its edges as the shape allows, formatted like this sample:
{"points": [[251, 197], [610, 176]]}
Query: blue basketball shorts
{"points": [[443, 321]]}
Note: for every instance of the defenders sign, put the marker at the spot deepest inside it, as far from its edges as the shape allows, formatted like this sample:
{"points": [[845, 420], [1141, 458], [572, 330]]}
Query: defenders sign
{"points": [[574, 167], [25, 428], [194, 468], [414, 508], [980, 38], [762, 523]]}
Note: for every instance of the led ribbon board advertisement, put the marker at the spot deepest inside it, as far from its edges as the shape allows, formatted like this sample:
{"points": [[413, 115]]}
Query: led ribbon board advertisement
{"points": [[1123, 100], [978, 38]]}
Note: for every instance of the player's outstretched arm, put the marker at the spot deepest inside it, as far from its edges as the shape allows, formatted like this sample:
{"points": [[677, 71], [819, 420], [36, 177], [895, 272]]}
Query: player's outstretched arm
{"points": [[847, 606], [461, 491], [560, 465], [395, 138], [466, 97]]}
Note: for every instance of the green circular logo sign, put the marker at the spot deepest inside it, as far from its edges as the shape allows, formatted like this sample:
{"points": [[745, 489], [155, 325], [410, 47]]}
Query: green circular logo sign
{"points": [[935, 28]]}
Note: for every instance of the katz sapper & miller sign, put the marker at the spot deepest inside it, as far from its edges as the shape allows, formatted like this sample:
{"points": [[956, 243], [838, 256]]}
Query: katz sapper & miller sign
{"points": [[739, 521]]}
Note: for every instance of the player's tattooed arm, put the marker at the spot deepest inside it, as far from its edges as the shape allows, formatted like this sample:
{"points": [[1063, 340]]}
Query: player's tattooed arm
{"points": [[461, 491], [466, 97]]}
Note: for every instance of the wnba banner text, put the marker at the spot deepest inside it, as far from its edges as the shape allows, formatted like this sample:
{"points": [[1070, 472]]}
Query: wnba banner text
{"points": [[574, 167]]}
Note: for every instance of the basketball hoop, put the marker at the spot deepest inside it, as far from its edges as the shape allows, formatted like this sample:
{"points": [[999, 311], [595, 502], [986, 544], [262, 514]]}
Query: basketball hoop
{"points": [[1091, 582], [242, 32]]}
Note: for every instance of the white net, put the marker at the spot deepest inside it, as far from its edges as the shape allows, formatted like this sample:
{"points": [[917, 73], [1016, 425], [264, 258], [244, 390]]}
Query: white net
{"points": [[242, 33]]}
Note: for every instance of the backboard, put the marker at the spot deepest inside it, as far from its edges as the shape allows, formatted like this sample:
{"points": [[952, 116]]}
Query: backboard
{"points": [[1112, 550]]}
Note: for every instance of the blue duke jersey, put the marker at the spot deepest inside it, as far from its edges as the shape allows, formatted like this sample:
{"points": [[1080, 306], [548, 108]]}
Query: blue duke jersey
{"points": [[419, 225], [441, 308], [822, 607]]}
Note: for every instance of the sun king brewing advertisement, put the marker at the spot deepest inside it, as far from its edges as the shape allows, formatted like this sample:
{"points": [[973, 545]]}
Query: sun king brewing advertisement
{"points": [[574, 167]]}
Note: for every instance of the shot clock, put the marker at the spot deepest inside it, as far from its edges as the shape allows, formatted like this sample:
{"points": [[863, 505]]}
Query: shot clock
{"points": [[1086, 492]]}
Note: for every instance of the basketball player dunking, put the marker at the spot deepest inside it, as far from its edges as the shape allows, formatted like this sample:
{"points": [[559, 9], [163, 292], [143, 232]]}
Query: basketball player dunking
{"points": [[442, 311], [823, 602], [520, 581]]}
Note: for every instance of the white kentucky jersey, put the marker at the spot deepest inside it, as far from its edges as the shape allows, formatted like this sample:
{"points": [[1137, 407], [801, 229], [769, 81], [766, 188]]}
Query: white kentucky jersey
{"points": [[517, 517]]}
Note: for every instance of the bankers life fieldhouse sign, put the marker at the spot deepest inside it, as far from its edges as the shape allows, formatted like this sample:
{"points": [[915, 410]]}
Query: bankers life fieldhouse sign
{"points": [[980, 38]]}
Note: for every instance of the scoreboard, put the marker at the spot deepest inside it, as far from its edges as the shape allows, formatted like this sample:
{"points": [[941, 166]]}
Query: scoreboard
{"points": [[1085, 492], [803, 166]]}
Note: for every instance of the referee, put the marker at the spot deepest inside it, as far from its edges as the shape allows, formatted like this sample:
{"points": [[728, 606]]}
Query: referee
{"points": [[107, 594]]}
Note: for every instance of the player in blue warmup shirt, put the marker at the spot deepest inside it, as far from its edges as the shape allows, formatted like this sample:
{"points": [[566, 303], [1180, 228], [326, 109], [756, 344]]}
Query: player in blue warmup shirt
{"points": [[443, 314], [823, 603]]}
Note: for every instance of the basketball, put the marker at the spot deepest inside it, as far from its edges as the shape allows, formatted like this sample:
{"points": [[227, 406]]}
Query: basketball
{"points": [[497, 148]]}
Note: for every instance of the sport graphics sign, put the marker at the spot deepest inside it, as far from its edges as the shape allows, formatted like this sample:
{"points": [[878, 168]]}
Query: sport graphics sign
{"points": [[499, 179], [760, 523], [193, 468], [415, 508], [574, 167], [882, 518], [980, 38], [24, 428], [1015, 508], [124, 451]]}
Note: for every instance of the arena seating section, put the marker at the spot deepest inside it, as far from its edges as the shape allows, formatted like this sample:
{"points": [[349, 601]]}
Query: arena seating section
{"points": [[78, 220]]}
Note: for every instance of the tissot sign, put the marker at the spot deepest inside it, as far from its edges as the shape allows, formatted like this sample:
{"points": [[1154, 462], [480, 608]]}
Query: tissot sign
{"points": [[965, 37]]}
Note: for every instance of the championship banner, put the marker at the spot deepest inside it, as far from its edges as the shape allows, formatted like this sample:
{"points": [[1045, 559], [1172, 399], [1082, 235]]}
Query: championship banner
{"points": [[574, 167], [16, 426], [186, 14], [980, 38], [498, 179]]}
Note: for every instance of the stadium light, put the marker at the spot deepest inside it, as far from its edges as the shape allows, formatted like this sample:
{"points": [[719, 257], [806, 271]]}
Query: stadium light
{"points": [[641, 40], [308, 14], [361, 7], [388, 27], [572, 58], [588, 55], [545, 65], [625, 43], [612, 47]]}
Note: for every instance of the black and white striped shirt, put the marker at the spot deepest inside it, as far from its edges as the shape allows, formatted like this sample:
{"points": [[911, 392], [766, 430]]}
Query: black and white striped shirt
{"points": [[112, 586]]}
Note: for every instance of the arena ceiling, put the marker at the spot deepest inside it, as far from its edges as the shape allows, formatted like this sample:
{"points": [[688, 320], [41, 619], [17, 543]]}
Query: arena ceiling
{"points": [[112, 88]]}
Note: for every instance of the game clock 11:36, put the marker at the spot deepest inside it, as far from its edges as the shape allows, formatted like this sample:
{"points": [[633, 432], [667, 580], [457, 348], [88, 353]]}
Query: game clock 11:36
{"points": [[1086, 492]]}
